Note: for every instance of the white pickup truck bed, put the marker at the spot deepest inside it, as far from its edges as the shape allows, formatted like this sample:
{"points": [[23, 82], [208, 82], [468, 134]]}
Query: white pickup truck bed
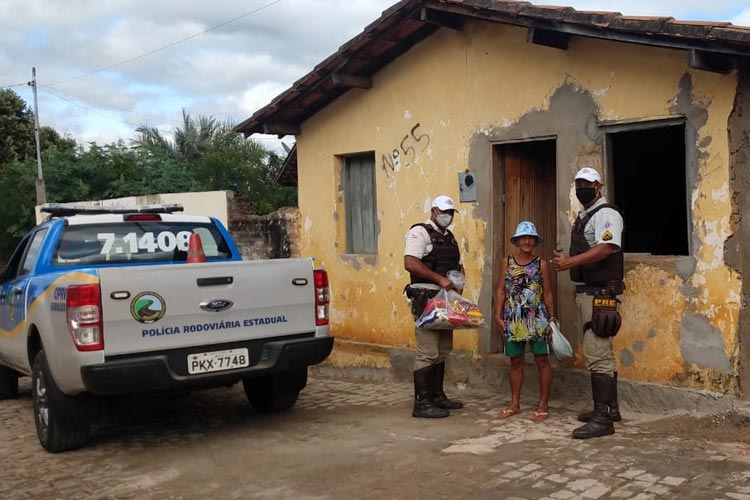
{"points": [[262, 309]]}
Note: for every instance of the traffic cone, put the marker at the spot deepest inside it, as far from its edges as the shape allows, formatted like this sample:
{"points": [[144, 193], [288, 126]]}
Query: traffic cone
{"points": [[195, 249]]}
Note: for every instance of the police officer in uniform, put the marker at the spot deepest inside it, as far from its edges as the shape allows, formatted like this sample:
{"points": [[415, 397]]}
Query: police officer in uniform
{"points": [[596, 265], [431, 251]]}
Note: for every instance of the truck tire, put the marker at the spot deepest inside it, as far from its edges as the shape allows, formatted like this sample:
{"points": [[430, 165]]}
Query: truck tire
{"points": [[8, 383], [277, 392], [53, 411]]}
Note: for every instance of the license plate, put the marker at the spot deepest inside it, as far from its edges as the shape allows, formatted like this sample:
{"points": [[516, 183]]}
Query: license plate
{"points": [[206, 362]]}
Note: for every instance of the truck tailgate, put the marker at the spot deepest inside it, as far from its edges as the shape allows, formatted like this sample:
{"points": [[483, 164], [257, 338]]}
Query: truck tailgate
{"points": [[148, 308]]}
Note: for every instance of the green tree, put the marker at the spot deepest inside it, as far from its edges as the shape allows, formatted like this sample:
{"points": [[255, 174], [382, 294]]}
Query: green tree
{"points": [[50, 138], [191, 141], [17, 173], [16, 129], [142, 172], [266, 194], [219, 158], [204, 155], [17, 190]]}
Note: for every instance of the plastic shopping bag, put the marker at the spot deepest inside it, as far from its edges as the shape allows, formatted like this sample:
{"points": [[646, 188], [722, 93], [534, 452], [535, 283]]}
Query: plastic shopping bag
{"points": [[457, 278], [560, 345], [449, 311]]}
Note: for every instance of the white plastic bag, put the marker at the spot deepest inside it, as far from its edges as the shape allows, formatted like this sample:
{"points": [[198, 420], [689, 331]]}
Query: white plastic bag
{"points": [[458, 280], [449, 311], [560, 345]]}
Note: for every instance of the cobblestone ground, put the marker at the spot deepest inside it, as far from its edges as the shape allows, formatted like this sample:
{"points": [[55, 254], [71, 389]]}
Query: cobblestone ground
{"points": [[352, 439]]}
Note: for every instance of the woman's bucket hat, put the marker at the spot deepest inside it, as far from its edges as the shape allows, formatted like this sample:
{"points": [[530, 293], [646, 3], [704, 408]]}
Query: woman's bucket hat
{"points": [[526, 228]]}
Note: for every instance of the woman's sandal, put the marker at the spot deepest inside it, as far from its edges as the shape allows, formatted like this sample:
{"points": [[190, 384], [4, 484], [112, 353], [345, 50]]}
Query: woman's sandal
{"points": [[540, 415], [509, 412]]}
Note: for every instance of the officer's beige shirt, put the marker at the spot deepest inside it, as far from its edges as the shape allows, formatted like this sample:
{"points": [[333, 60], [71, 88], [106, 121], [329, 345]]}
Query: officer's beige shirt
{"points": [[418, 242]]}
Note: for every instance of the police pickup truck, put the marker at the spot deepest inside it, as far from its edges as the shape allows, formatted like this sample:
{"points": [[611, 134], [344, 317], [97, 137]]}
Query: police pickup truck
{"points": [[98, 302]]}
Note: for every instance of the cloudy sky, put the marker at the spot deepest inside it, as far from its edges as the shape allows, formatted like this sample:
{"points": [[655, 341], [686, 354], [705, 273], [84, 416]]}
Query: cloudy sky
{"points": [[105, 67]]}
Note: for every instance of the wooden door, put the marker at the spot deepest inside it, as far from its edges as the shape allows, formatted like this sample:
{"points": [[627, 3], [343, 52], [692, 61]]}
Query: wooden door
{"points": [[529, 191], [526, 172]]}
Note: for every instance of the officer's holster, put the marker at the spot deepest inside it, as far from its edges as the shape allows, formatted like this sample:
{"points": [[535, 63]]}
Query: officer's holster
{"points": [[605, 318], [418, 298]]}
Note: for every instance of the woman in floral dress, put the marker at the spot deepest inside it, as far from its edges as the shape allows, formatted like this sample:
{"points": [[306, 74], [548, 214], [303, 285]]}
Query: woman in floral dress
{"points": [[524, 309]]}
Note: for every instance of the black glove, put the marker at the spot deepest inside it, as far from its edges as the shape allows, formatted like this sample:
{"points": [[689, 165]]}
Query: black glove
{"points": [[605, 318]]}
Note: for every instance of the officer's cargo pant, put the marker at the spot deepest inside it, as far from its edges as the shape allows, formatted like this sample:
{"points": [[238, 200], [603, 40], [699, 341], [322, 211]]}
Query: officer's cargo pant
{"points": [[433, 346], [600, 357]]}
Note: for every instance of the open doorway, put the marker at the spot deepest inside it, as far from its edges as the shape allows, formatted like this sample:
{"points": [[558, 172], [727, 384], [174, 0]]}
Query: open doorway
{"points": [[525, 187]]}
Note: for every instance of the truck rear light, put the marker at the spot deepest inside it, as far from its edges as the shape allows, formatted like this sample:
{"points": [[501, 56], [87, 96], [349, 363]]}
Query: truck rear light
{"points": [[140, 217], [322, 297], [83, 306]]}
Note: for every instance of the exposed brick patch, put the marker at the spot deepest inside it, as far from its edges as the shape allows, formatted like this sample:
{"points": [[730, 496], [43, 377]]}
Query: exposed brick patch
{"points": [[271, 236]]}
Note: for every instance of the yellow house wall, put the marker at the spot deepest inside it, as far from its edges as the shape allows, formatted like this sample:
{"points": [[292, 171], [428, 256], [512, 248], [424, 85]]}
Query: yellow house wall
{"points": [[450, 98]]}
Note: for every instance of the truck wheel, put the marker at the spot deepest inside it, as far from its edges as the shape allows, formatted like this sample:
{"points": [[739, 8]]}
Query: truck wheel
{"points": [[56, 432], [275, 393], [8, 383]]}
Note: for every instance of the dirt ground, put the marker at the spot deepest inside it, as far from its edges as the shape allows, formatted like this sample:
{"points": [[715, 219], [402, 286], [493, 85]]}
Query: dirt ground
{"points": [[723, 428]]}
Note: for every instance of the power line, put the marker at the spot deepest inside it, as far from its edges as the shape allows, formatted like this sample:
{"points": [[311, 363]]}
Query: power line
{"points": [[46, 90], [14, 85], [94, 101], [164, 47]]}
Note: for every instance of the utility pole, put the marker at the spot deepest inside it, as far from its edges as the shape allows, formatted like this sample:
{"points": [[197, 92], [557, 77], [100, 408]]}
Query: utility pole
{"points": [[41, 192]]}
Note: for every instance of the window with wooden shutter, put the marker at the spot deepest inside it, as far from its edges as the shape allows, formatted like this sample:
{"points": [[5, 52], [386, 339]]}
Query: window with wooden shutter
{"points": [[359, 200]]}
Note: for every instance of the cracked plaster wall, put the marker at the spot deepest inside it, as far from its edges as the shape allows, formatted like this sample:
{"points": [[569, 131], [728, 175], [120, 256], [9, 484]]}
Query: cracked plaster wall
{"points": [[737, 248]]}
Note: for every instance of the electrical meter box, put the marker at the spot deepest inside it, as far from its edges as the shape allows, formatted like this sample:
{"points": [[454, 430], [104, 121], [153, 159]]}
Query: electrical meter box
{"points": [[467, 186]]}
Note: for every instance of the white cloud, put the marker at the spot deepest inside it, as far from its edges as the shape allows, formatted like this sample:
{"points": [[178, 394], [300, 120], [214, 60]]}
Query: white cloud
{"points": [[716, 10], [258, 96], [742, 19], [228, 73]]}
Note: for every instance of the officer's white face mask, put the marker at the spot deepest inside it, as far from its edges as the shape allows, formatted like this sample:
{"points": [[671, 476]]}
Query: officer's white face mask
{"points": [[444, 220]]}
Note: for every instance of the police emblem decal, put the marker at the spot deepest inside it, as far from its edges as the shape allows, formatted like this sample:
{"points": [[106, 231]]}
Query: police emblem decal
{"points": [[148, 307]]}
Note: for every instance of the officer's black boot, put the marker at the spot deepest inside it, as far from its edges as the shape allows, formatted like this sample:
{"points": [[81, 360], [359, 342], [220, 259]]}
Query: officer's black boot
{"points": [[423, 387], [614, 405], [586, 416], [440, 399], [600, 423]]}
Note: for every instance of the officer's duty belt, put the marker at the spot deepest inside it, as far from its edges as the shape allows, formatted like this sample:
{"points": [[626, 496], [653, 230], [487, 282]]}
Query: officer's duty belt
{"points": [[614, 288]]}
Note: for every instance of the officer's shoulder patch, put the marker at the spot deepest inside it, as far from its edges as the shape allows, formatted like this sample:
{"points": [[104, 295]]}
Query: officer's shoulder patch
{"points": [[607, 236]]}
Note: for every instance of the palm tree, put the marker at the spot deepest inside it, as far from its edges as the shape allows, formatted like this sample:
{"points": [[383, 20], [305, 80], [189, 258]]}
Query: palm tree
{"points": [[190, 142], [220, 158]]}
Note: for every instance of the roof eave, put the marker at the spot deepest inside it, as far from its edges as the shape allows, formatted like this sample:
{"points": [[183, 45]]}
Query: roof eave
{"points": [[711, 45]]}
